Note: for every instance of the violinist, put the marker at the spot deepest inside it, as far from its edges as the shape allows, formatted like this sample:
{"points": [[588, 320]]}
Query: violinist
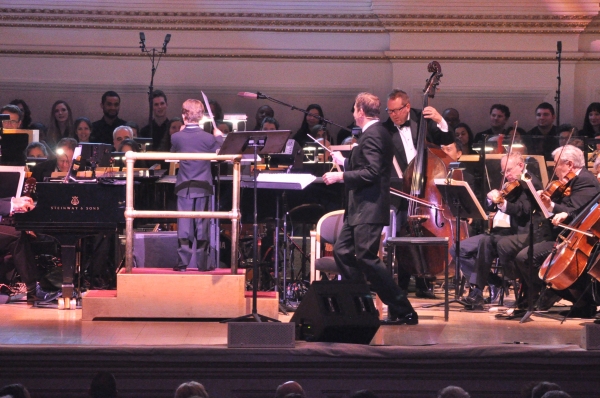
{"points": [[509, 233], [583, 187], [403, 124]]}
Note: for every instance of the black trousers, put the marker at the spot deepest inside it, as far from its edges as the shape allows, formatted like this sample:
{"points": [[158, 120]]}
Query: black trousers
{"points": [[355, 253], [17, 245]]}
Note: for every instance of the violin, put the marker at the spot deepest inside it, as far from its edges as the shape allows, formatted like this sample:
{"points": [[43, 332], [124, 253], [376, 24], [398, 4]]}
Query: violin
{"points": [[510, 192], [559, 188]]}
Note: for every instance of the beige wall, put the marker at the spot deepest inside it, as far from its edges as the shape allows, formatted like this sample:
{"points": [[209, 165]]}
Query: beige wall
{"points": [[302, 52]]}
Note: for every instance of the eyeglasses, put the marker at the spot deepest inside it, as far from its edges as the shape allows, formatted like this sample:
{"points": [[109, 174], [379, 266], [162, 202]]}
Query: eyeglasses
{"points": [[392, 111], [11, 122]]}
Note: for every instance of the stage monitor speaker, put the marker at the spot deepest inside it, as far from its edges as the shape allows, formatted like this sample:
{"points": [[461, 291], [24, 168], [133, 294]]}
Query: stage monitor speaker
{"points": [[337, 312], [590, 336], [260, 335]]}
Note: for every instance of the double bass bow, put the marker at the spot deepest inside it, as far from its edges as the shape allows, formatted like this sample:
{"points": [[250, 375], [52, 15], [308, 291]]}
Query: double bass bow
{"points": [[432, 219]]}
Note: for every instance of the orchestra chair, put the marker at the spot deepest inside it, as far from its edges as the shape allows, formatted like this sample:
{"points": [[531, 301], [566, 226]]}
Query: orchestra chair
{"points": [[327, 230], [302, 218]]}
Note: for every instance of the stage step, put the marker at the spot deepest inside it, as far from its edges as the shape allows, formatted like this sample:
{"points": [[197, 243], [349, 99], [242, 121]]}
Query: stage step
{"points": [[164, 293]]}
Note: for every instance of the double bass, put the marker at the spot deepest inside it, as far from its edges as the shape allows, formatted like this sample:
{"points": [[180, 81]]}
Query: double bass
{"points": [[429, 163]]}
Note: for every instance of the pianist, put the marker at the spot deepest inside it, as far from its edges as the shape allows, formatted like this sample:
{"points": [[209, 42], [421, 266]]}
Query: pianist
{"points": [[194, 187], [15, 250]]}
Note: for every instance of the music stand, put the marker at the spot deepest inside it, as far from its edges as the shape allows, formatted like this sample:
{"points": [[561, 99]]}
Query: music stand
{"points": [[460, 197], [254, 142]]}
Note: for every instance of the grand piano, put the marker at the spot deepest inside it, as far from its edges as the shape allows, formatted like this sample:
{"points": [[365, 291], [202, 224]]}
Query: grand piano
{"points": [[72, 211]]}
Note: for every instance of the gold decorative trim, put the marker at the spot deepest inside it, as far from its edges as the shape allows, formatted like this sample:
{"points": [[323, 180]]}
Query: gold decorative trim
{"points": [[291, 57]]}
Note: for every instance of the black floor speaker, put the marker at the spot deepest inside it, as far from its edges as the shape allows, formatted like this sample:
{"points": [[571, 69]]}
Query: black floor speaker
{"points": [[337, 312]]}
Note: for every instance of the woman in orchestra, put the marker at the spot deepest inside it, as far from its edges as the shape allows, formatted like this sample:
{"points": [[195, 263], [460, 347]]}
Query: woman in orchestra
{"points": [[465, 135], [61, 123], [591, 121], [308, 123], [83, 129]]}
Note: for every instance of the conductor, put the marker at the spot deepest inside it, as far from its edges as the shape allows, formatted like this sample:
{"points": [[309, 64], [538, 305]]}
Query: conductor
{"points": [[366, 176]]}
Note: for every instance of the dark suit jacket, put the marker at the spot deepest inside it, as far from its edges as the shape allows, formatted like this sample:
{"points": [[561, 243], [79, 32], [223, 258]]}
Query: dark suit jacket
{"points": [[44, 169], [367, 177], [194, 178], [4, 206], [584, 188], [434, 135]]}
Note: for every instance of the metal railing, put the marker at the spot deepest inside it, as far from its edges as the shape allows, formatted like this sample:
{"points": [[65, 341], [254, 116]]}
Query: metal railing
{"points": [[131, 213]]}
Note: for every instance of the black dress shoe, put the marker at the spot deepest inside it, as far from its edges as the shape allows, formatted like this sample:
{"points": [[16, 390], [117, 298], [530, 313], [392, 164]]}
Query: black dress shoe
{"points": [[407, 319], [547, 300], [511, 314], [474, 301], [41, 296], [179, 269]]}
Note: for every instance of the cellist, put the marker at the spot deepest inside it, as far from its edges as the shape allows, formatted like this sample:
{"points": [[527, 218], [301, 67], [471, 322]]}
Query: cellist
{"points": [[583, 188], [403, 124]]}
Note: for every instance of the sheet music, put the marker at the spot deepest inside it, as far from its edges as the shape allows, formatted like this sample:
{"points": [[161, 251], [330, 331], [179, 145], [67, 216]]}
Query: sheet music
{"points": [[283, 178], [531, 188], [451, 182]]}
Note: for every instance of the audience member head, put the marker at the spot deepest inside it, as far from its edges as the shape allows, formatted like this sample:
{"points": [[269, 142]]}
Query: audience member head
{"points": [[216, 110], [61, 122], [544, 116], [110, 105], [36, 150], [14, 391], [499, 115], [64, 153], [269, 124], [225, 127], [591, 121], [542, 388], [465, 135], [556, 394], [83, 129], [451, 117], [564, 131], [453, 392], [363, 394], [122, 133], [191, 389], [159, 105], [134, 127], [289, 387], [175, 125], [128, 145], [26, 119], [192, 111], [309, 119], [263, 112], [16, 117], [398, 106], [103, 385]]}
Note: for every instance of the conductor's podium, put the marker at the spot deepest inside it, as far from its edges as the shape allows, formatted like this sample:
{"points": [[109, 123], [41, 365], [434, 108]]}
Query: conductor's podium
{"points": [[164, 293]]}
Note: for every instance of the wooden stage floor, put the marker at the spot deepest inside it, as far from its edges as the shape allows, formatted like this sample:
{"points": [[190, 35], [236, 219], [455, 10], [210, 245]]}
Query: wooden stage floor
{"points": [[55, 353]]}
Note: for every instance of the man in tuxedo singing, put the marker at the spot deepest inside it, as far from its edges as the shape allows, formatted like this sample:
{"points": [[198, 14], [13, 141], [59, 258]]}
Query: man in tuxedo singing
{"points": [[366, 177]]}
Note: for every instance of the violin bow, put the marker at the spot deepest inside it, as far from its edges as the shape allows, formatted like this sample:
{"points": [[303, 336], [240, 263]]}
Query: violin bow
{"points": [[509, 152], [561, 152]]}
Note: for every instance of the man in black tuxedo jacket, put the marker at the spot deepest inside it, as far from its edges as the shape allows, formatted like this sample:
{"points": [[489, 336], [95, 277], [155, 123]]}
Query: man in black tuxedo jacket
{"points": [[366, 177], [403, 123]]}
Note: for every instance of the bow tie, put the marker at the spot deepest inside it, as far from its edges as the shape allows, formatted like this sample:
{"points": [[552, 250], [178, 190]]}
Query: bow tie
{"points": [[405, 124]]}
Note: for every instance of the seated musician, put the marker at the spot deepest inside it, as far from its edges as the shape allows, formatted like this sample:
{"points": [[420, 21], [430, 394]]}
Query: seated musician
{"points": [[62, 162], [584, 187], [509, 233], [15, 248]]}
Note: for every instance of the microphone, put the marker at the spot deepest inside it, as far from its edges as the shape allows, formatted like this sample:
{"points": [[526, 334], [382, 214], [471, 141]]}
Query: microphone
{"points": [[142, 41], [167, 40], [246, 94], [559, 47]]}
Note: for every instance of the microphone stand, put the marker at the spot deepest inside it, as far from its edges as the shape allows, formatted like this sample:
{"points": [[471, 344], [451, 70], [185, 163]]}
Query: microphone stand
{"points": [[322, 120], [557, 97], [152, 53]]}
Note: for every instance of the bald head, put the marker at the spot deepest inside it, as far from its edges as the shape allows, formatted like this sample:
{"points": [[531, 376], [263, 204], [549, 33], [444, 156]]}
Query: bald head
{"points": [[289, 387]]}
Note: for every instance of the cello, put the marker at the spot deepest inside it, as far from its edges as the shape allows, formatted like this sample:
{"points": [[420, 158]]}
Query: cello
{"points": [[429, 163]]}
